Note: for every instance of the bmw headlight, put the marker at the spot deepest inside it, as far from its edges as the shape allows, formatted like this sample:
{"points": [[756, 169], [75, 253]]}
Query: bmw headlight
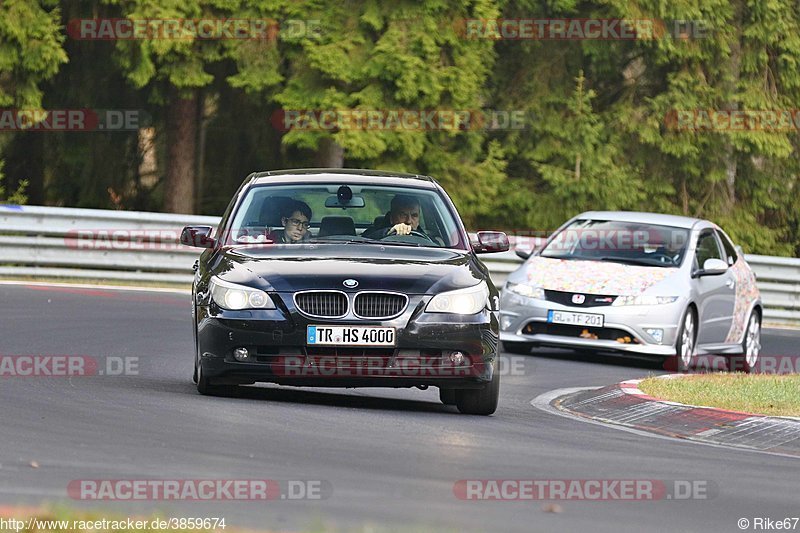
{"points": [[460, 302], [525, 290], [643, 299], [236, 297]]}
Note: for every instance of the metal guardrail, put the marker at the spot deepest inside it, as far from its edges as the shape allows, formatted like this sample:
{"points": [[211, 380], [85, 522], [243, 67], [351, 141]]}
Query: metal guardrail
{"points": [[133, 246], [96, 244]]}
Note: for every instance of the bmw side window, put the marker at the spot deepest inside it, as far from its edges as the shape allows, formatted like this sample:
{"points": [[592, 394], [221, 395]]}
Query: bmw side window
{"points": [[730, 249], [707, 248]]}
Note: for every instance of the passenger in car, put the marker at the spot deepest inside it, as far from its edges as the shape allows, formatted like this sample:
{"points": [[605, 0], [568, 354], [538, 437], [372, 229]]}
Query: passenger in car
{"points": [[296, 219]]}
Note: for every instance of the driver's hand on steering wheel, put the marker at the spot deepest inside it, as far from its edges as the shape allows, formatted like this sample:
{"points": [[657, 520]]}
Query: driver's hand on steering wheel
{"points": [[401, 229]]}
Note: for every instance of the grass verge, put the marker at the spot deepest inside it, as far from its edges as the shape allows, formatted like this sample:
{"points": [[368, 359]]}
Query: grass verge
{"points": [[762, 394]]}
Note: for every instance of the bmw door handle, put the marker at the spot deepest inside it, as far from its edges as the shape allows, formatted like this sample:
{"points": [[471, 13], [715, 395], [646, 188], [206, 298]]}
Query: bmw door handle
{"points": [[730, 283]]}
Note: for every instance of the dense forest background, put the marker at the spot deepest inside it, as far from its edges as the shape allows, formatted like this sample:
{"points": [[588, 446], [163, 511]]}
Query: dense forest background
{"points": [[600, 114]]}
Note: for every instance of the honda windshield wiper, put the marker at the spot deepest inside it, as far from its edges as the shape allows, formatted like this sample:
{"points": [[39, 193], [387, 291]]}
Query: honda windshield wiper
{"points": [[569, 257], [632, 261]]}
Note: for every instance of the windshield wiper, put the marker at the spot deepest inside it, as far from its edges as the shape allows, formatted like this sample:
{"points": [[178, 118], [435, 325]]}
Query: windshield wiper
{"points": [[631, 261], [398, 243], [349, 240], [362, 240], [569, 257]]}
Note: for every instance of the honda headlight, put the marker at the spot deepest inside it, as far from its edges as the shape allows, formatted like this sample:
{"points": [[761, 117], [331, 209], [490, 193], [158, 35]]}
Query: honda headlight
{"points": [[460, 302], [236, 297], [643, 299], [525, 290]]}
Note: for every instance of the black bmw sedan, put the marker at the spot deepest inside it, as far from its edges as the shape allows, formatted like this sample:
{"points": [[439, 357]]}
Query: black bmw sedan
{"points": [[346, 278]]}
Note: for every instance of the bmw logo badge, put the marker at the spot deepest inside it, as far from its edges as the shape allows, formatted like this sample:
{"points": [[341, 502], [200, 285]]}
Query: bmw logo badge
{"points": [[350, 283]]}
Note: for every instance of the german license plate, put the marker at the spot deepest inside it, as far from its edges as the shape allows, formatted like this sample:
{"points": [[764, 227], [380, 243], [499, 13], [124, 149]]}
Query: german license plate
{"points": [[350, 336], [575, 319]]}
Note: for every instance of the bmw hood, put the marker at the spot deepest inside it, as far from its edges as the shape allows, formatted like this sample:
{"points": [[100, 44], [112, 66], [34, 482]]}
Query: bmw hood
{"points": [[593, 277], [408, 270]]}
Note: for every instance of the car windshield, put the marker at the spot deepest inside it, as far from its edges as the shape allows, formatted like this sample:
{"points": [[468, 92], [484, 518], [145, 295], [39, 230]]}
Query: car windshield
{"points": [[345, 213], [620, 242]]}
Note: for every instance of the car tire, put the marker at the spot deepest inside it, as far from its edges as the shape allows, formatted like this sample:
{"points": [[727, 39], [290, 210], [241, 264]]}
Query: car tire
{"points": [[522, 348], [751, 346], [685, 344], [204, 385], [196, 356], [207, 388], [480, 401], [447, 396]]}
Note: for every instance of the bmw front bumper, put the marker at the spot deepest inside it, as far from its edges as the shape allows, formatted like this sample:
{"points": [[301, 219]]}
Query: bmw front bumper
{"points": [[276, 339]]}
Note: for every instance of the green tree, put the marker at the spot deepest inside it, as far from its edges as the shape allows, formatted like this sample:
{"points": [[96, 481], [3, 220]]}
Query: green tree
{"points": [[746, 58], [18, 197], [30, 50], [30, 53], [371, 55], [174, 68], [579, 156]]}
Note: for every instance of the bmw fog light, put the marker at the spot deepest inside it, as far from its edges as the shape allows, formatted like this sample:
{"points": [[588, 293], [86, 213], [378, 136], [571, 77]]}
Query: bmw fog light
{"points": [[506, 322], [456, 358], [657, 334], [241, 354]]}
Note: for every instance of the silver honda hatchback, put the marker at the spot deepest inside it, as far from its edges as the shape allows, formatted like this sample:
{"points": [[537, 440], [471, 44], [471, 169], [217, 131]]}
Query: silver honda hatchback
{"points": [[638, 283]]}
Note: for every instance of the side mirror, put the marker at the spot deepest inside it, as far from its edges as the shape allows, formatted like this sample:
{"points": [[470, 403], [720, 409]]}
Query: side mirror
{"points": [[523, 254], [489, 242], [713, 267], [198, 236], [536, 245]]}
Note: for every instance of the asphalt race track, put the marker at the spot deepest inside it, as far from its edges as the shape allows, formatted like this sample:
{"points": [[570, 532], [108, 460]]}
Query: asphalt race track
{"points": [[392, 457]]}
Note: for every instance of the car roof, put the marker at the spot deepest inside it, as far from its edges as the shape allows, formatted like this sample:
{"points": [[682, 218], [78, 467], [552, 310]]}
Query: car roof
{"points": [[351, 175], [645, 218]]}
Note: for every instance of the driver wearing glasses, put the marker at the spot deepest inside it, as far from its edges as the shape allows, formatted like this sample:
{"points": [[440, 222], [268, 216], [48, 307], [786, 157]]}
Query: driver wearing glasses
{"points": [[296, 218]]}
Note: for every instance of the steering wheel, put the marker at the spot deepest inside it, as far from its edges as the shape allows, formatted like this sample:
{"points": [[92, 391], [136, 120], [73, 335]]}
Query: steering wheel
{"points": [[663, 258], [414, 233]]}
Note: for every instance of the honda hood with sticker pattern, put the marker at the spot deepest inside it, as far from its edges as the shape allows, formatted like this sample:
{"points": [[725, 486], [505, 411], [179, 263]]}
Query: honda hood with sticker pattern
{"points": [[593, 277]]}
